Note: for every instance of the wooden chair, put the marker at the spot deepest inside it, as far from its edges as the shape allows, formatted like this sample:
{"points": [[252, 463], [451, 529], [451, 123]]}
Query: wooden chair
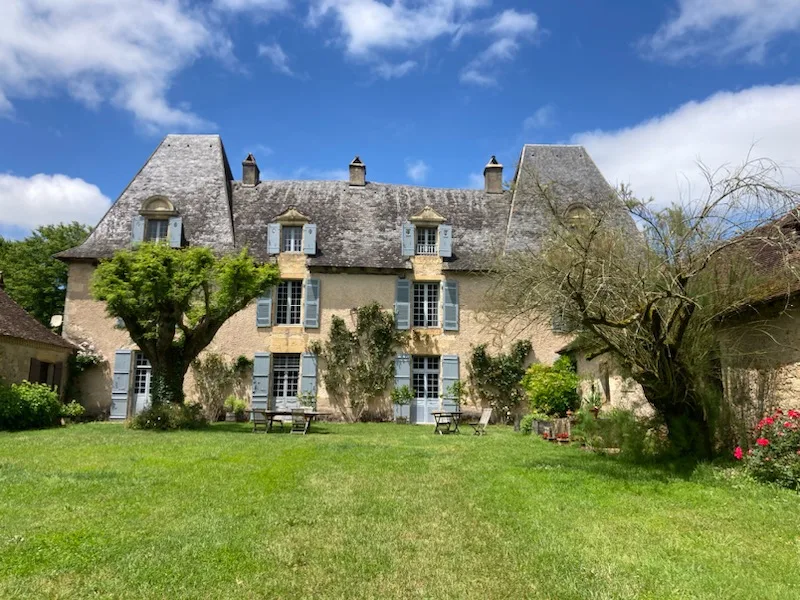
{"points": [[480, 426], [299, 421]]}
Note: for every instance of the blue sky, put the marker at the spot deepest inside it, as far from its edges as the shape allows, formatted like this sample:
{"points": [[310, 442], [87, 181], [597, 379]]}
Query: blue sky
{"points": [[424, 92]]}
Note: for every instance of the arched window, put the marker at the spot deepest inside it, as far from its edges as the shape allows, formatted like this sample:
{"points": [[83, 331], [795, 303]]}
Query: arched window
{"points": [[577, 215], [157, 212]]}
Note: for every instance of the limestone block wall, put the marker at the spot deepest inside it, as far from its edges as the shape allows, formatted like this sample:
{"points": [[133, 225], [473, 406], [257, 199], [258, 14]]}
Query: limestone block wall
{"points": [[340, 294], [16, 355], [617, 391]]}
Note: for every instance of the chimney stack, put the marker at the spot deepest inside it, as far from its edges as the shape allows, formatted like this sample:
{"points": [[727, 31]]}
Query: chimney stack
{"points": [[358, 172], [250, 172], [493, 177]]}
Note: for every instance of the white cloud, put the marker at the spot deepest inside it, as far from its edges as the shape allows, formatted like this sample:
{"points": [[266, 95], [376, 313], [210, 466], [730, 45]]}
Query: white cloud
{"points": [[247, 5], [28, 202], [275, 54], [387, 70], [659, 157], [416, 170], [509, 28], [724, 29], [542, 118]]}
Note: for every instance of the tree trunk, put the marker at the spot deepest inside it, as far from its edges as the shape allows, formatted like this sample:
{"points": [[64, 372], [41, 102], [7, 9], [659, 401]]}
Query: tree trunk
{"points": [[166, 382], [688, 429]]}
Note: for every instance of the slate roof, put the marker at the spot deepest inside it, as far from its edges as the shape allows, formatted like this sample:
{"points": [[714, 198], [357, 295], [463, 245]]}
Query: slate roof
{"points": [[16, 323], [357, 226]]}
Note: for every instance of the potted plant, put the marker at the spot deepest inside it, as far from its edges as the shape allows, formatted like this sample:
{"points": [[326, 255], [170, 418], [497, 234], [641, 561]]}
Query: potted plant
{"points": [[401, 399], [308, 400], [454, 393], [594, 401], [235, 409]]}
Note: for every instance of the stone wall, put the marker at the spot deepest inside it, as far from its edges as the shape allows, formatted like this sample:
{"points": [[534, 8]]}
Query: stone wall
{"points": [[603, 375], [16, 355], [340, 293]]}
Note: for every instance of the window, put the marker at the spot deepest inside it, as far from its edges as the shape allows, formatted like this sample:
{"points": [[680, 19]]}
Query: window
{"points": [[292, 239], [290, 294], [285, 375], [426, 305], [156, 230], [45, 372], [425, 376], [426, 240], [141, 379]]}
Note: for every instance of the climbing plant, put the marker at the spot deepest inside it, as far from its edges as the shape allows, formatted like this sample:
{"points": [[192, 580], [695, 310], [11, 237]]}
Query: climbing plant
{"points": [[214, 377], [358, 365], [495, 380]]}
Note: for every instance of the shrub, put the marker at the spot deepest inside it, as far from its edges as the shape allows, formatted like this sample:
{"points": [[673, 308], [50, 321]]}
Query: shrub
{"points": [[526, 425], [72, 411], [28, 406], [638, 439], [402, 395], [236, 406], [552, 390], [168, 416], [775, 454]]}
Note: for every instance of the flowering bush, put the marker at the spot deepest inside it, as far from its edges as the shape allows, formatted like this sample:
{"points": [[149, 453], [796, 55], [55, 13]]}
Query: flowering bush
{"points": [[775, 456]]}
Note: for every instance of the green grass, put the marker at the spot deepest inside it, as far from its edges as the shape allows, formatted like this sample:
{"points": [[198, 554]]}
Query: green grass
{"points": [[376, 511]]}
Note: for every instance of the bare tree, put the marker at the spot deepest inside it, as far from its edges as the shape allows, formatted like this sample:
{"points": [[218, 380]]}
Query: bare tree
{"points": [[649, 287]]}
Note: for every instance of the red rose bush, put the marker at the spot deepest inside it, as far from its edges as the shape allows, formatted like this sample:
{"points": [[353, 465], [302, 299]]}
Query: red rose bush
{"points": [[775, 454]]}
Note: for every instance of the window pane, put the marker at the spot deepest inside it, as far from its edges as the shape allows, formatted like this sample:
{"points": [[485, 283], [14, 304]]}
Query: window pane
{"points": [[290, 295], [285, 375], [426, 240], [426, 305], [292, 238], [156, 230]]}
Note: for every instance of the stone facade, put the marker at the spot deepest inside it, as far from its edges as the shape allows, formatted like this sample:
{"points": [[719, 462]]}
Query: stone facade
{"points": [[16, 356], [602, 375]]}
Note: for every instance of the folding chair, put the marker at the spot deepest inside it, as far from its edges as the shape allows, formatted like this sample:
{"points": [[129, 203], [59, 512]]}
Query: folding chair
{"points": [[299, 421], [480, 426]]}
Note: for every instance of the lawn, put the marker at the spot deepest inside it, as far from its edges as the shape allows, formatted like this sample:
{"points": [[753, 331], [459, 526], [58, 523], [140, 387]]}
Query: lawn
{"points": [[376, 511]]}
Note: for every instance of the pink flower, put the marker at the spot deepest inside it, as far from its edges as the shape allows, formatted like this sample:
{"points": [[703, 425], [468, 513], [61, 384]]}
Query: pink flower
{"points": [[767, 459], [762, 442], [750, 452], [793, 414], [788, 424], [769, 420], [737, 454]]}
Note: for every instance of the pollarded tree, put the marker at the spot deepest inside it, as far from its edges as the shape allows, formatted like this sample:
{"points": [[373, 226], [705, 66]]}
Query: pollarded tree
{"points": [[651, 296], [173, 302]]}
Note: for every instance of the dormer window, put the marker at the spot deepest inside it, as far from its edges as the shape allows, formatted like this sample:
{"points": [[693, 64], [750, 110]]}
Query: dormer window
{"points": [[158, 221], [157, 230], [292, 232], [291, 238], [426, 240]]}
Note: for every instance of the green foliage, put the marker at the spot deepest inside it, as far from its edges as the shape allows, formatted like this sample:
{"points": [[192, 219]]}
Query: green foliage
{"points": [[496, 379], [173, 302], [28, 406], [774, 455], [243, 364], [455, 392], [552, 390], [526, 424], [237, 407], [169, 416], [638, 439], [359, 365], [73, 411], [402, 395], [34, 279], [213, 379]]}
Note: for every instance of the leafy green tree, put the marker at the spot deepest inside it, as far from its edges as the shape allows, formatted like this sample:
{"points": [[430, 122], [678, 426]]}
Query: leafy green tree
{"points": [[173, 302], [34, 279], [552, 390]]}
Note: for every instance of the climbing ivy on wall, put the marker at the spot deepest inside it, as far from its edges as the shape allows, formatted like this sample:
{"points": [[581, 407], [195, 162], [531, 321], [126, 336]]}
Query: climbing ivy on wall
{"points": [[358, 366], [495, 380]]}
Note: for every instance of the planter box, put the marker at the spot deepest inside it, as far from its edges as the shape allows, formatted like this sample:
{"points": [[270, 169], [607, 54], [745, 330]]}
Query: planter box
{"points": [[538, 427], [402, 413]]}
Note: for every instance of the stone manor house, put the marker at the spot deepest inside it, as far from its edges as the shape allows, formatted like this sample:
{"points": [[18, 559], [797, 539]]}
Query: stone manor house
{"points": [[421, 252]]}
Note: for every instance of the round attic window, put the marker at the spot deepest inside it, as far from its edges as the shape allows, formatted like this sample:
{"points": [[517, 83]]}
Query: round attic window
{"points": [[158, 205], [577, 214]]}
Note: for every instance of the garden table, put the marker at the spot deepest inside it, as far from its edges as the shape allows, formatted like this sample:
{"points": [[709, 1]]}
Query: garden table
{"points": [[270, 416], [444, 419]]}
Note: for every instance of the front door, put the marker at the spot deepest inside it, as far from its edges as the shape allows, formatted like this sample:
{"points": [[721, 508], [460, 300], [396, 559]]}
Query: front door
{"points": [[285, 381], [141, 384], [425, 379]]}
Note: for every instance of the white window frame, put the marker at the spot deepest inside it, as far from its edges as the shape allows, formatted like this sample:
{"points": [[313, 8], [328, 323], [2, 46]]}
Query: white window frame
{"points": [[289, 302], [425, 371], [161, 236], [142, 375], [285, 376], [427, 241], [425, 299], [291, 238]]}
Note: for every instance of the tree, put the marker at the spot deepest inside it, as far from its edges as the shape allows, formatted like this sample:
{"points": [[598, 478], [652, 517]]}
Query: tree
{"points": [[34, 279], [496, 379], [173, 302], [652, 299]]}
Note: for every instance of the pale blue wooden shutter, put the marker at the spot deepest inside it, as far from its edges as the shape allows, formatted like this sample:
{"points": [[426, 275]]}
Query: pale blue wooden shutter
{"points": [[312, 304], [402, 304], [408, 239], [402, 376], [274, 238], [308, 370], [445, 241], [120, 384], [450, 375], [175, 232], [264, 311], [450, 293], [310, 239], [261, 367], [137, 229]]}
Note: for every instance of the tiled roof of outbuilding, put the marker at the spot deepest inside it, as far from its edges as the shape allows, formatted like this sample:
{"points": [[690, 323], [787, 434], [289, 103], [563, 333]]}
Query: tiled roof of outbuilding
{"points": [[16, 323]]}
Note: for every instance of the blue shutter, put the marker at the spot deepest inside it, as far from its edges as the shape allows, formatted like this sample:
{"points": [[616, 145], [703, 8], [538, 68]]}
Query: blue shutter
{"points": [[312, 304], [120, 384], [408, 239], [310, 239], [402, 304], [274, 238], [308, 370], [450, 293], [261, 381], [137, 229], [402, 370], [449, 376], [175, 232], [445, 241], [264, 311]]}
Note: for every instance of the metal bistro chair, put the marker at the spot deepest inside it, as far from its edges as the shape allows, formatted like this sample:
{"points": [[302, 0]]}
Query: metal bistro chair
{"points": [[299, 421]]}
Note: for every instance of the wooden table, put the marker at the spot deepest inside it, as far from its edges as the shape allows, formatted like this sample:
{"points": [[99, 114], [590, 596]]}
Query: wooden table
{"points": [[270, 416], [444, 419]]}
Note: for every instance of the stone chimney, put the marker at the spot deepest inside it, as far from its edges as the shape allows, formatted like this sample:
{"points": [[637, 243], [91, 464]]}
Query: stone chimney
{"points": [[250, 172], [358, 172], [493, 177]]}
